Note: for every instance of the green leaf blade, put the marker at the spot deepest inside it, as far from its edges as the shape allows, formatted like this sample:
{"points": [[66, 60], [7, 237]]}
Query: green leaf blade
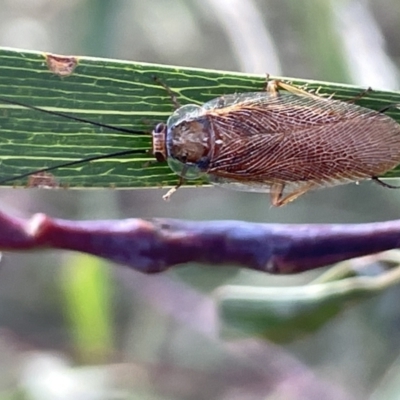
{"points": [[118, 93]]}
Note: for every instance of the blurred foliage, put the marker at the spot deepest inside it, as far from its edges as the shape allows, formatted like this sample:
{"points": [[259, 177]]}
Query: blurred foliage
{"points": [[88, 303], [285, 314]]}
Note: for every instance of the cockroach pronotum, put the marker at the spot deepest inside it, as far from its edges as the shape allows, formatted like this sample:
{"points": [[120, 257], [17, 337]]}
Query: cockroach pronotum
{"points": [[285, 143]]}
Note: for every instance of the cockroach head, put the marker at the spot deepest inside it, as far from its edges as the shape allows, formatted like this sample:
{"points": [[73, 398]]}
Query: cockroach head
{"points": [[159, 142]]}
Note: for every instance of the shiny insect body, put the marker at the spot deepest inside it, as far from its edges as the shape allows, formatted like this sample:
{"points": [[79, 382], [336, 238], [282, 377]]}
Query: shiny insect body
{"points": [[285, 143]]}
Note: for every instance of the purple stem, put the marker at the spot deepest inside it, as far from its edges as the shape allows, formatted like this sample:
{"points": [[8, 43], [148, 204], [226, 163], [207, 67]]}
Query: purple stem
{"points": [[157, 244]]}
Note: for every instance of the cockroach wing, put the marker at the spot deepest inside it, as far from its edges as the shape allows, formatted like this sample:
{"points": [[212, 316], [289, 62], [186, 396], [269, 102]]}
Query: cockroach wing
{"points": [[263, 139]]}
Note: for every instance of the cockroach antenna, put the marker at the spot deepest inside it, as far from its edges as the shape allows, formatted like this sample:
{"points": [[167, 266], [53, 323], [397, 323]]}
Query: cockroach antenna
{"points": [[384, 184], [78, 119]]}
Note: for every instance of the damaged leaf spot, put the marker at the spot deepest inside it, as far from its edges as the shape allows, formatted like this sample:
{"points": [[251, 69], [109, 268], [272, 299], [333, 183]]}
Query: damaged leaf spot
{"points": [[61, 65], [42, 180]]}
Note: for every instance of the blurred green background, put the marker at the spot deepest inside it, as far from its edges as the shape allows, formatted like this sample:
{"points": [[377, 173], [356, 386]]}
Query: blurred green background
{"points": [[74, 327]]}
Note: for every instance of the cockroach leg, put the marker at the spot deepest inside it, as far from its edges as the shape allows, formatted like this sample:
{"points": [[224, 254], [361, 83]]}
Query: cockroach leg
{"points": [[276, 193], [384, 184], [360, 95], [274, 86], [267, 75], [387, 108], [170, 192], [171, 93], [277, 198]]}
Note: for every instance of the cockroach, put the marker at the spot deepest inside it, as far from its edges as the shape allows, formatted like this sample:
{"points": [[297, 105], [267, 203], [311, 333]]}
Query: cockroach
{"points": [[285, 143]]}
